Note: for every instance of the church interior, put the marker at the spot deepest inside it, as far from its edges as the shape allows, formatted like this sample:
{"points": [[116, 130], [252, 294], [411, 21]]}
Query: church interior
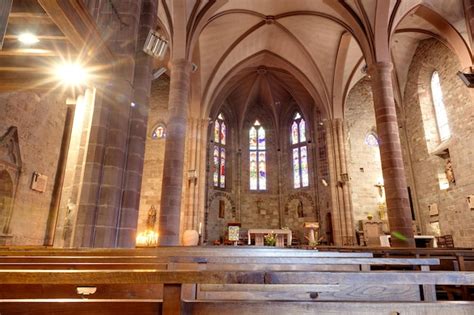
{"points": [[190, 156]]}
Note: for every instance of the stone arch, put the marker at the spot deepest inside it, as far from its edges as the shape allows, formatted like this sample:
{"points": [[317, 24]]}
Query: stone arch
{"points": [[299, 208], [214, 222], [446, 33], [423, 73]]}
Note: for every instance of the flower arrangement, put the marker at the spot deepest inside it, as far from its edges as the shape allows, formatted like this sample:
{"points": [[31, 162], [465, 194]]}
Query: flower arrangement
{"points": [[269, 239]]}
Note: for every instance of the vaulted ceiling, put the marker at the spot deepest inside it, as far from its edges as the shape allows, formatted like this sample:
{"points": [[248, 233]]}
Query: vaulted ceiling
{"points": [[313, 50]]}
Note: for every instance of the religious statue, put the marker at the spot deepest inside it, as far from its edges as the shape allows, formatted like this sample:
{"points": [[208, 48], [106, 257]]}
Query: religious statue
{"points": [[300, 210], [448, 169], [67, 229], [151, 219]]}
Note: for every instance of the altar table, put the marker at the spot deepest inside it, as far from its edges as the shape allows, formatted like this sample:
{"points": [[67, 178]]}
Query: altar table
{"points": [[429, 239], [279, 234]]}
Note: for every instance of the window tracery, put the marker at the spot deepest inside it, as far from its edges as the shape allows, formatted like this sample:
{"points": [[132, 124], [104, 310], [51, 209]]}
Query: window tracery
{"points": [[219, 152], [257, 157], [299, 152]]}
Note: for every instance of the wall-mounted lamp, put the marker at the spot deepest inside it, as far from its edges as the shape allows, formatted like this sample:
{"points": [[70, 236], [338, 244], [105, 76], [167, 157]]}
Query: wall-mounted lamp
{"points": [[467, 78], [192, 175], [155, 45]]}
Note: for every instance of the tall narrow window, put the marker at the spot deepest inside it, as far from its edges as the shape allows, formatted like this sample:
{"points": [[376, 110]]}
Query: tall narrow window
{"points": [[439, 108], [299, 152], [257, 159], [219, 152]]}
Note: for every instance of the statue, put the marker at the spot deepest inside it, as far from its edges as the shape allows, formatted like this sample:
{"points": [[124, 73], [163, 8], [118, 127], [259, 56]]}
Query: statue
{"points": [[68, 218], [300, 210], [151, 220], [448, 169]]}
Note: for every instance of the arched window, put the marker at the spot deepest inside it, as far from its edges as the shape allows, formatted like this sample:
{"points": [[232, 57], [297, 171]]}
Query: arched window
{"points": [[371, 139], [219, 151], [300, 152], [439, 108], [159, 132], [257, 159]]}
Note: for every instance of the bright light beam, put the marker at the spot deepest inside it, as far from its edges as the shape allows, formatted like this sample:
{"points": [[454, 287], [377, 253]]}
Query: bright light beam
{"points": [[71, 74]]}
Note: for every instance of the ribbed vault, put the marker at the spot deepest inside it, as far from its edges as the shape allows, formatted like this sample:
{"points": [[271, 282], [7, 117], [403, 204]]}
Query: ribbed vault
{"points": [[323, 44]]}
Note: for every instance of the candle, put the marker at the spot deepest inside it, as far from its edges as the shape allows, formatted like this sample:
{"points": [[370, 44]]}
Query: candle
{"points": [[200, 228]]}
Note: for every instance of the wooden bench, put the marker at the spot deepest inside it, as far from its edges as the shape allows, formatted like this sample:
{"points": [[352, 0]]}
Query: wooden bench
{"points": [[457, 259], [322, 286]]}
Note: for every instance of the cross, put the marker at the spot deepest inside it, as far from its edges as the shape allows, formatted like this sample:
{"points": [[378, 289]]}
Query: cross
{"points": [[380, 186]]}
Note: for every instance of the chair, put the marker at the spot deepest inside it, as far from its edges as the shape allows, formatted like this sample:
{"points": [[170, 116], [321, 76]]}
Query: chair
{"points": [[373, 229], [445, 241]]}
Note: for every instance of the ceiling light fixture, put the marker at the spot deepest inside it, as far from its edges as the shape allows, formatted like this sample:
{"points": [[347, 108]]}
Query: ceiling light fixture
{"points": [[467, 78], [28, 38], [71, 74], [155, 45]]}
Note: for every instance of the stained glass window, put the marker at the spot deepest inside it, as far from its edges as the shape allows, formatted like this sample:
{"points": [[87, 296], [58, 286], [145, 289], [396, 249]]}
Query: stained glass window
{"points": [[294, 133], [216, 166], [257, 157], [300, 152], [219, 157], [158, 132], [439, 107], [371, 139], [296, 167]]}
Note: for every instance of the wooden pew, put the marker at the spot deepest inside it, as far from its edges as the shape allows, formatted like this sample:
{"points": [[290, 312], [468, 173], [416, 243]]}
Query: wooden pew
{"points": [[172, 281], [158, 259], [457, 259]]}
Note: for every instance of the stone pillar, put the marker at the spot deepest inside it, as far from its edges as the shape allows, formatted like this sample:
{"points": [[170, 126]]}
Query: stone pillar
{"points": [[337, 228], [169, 221], [100, 209], [138, 128], [398, 206], [345, 185]]}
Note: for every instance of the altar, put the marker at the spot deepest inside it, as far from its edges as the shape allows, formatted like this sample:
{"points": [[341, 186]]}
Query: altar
{"points": [[279, 234], [420, 240]]}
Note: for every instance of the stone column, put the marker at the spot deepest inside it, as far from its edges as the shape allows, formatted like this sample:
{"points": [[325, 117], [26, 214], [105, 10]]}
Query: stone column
{"points": [[100, 209], [345, 185], [174, 154], [398, 207], [138, 128], [337, 228]]}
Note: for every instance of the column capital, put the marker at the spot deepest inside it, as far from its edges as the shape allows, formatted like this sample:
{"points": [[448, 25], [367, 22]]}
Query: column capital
{"points": [[381, 66]]}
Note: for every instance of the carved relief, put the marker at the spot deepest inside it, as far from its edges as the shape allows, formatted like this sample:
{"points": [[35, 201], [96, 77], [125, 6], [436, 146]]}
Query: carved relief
{"points": [[10, 169]]}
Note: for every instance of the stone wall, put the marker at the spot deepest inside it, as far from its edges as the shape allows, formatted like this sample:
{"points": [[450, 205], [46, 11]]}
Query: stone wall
{"points": [[154, 152], [40, 122], [280, 205], [454, 216], [364, 166]]}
